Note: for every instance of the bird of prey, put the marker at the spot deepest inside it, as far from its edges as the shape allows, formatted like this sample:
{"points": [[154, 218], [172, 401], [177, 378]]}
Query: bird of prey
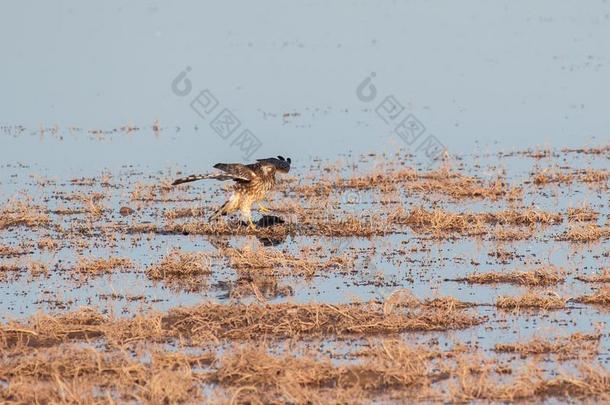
{"points": [[252, 183]]}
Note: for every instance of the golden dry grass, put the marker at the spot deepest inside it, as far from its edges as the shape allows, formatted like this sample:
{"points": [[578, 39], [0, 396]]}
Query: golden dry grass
{"points": [[184, 213], [254, 373], [19, 213], [213, 322], [98, 266], [439, 221], [11, 251], [72, 374], [535, 300], [182, 270], [585, 233], [47, 243], [543, 276], [549, 176], [602, 277], [304, 379], [592, 381], [600, 297], [574, 346], [443, 181], [582, 214], [276, 261]]}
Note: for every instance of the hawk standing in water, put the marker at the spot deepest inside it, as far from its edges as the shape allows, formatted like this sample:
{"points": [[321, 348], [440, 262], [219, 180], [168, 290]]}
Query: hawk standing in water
{"points": [[252, 183]]}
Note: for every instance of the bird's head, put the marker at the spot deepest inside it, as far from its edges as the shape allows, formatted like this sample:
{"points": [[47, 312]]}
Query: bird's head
{"points": [[279, 164]]}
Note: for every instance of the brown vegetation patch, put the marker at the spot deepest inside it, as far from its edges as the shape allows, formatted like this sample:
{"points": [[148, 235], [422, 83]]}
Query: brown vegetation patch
{"points": [[547, 300], [211, 322], [602, 277], [600, 297], [582, 214], [182, 270], [574, 346], [549, 176], [543, 276], [184, 213], [585, 233], [48, 244], [276, 260], [289, 320], [441, 221], [9, 251], [70, 374], [441, 181], [590, 382], [305, 379], [508, 234], [23, 214], [97, 266]]}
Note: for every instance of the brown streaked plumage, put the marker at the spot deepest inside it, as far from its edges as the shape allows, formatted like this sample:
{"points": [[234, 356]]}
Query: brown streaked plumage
{"points": [[252, 183]]}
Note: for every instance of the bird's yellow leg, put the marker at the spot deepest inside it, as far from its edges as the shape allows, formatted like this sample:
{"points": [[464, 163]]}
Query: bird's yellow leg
{"points": [[251, 224], [263, 209]]}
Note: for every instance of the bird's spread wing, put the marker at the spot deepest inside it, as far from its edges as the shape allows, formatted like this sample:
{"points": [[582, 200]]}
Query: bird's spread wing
{"points": [[236, 171], [230, 171], [281, 164]]}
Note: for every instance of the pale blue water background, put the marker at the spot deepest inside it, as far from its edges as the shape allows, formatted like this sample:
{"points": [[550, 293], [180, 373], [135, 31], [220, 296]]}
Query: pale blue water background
{"points": [[478, 75]]}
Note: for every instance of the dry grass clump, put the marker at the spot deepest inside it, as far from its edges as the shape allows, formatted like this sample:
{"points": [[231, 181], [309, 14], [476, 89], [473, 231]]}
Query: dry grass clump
{"points": [[184, 213], [182, 270], [48, 244], [348, 225], [23, 214], [37, 268], [97, 266], [289, 320], [459, 186], [602, 277], [378, 179], [273, 259], [11, 251], [211, 322], [443, 181], [543, 276], [600, 297], [528, 216], [585, 233], [582, 214], [305, 379], [8, 268], [71, 374], [591, 382], [594, 176], [439, 222], [574, 346], [548, 176], [547, 300]]}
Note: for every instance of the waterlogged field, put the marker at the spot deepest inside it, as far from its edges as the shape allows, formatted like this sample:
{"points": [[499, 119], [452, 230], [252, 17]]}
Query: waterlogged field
{"points": [[481, 277]]}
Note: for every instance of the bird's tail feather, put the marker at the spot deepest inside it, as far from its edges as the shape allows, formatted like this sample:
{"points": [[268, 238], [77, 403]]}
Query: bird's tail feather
{"points": [[193, 177]]}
